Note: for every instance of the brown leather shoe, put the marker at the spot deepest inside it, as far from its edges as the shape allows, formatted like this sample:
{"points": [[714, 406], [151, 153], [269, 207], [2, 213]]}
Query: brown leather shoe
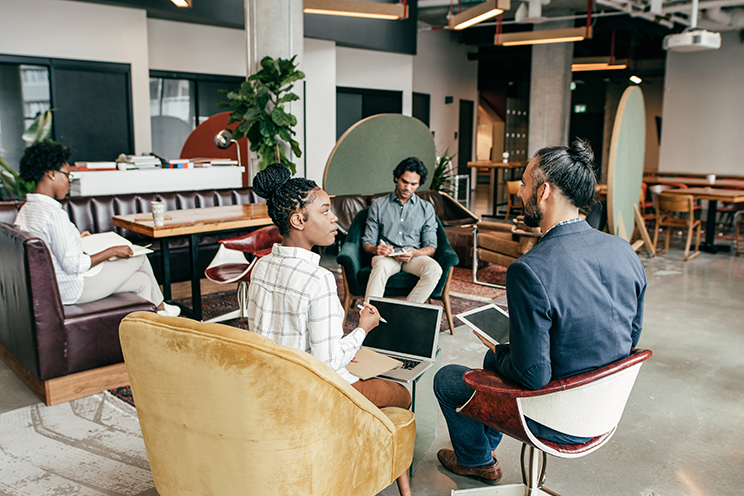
{"points": [[490, 474]]}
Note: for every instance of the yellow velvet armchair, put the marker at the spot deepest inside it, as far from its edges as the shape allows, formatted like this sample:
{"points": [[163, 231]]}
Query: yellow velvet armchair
{"points": [[225, 411]]}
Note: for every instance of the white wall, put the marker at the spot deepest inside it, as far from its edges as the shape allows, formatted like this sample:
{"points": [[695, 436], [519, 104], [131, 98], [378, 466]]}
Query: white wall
{"points": [[376, 70], [84, 31], [703, 116], [441, 68], [319, 66], [182, 47]]}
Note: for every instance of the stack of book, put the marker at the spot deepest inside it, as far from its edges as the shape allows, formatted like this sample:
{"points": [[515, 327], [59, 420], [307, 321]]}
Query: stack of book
{"points": [[179, 163], [88, 166], [209, 162], [142, 162]]}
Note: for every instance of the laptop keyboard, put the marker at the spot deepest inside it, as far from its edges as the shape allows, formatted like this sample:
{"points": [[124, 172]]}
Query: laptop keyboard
{"points": [[408, 364]]}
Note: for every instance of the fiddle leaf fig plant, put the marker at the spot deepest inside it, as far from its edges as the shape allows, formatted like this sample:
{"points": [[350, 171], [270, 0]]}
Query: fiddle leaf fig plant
{"points": [[12, 187], [258, 105]]}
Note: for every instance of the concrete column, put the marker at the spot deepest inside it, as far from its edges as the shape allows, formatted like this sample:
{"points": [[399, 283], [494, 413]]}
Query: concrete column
{"points": [[275, 28], [550, 91]]}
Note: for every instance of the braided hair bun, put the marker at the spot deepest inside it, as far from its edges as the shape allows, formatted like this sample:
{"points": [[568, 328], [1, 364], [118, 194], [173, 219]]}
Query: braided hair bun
{"points": [[284, 194], [268, 181]]}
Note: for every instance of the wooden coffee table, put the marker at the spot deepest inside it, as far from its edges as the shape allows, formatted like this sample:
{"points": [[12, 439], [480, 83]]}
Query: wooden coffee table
{"points": [[713, 195], [192, 223]]}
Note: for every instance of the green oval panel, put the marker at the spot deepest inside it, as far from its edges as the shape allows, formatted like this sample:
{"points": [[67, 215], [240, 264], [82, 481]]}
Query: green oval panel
{"points": [[625, 170], [363, 159]]}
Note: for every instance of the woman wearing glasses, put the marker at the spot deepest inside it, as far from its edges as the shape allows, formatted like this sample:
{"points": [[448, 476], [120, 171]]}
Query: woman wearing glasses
{"points": [[81, 278]]}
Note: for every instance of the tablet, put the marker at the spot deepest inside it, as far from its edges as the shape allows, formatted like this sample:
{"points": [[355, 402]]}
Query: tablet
{"points": [[489, 321]]}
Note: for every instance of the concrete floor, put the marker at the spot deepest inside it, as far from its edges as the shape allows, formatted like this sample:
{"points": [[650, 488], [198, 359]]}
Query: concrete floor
{"points": [[683, 429]]}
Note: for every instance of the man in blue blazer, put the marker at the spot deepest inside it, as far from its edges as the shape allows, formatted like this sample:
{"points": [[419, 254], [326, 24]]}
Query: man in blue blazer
{"points": [[575, 304]]}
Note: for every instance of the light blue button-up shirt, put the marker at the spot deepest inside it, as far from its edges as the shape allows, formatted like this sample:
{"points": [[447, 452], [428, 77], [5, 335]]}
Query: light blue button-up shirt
{"points": [[411, 224]]}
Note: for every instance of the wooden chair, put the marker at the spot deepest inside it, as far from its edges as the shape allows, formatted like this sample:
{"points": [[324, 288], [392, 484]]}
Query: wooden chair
{"points": [[512, 188], [668, 209], [501, 244], [589, 404]]}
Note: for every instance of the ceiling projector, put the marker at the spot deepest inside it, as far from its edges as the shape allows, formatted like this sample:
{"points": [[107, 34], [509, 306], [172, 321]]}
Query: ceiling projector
{"points": [[692, 40]]}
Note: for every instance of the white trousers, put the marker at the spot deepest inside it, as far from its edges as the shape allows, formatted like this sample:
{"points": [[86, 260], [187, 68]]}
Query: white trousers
{"points": [[123, 275], [426, 268]]}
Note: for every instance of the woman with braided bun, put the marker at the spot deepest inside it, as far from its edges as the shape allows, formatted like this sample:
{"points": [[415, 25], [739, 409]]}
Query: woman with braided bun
{"points": [[294, 301]]}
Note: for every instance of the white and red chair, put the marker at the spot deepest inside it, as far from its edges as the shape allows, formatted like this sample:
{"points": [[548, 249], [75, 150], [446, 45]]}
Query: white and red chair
{"points": [[589, 404], [230, 264]]}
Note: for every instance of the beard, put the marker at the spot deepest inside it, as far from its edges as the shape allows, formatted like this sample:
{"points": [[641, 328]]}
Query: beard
{"points": [[532, 214]]}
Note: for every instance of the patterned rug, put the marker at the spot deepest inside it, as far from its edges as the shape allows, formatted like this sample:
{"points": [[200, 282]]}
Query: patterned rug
{"points": [[91, 446]]}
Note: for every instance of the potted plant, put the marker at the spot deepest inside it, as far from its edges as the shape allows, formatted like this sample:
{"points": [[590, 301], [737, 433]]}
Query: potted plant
{"points": [[443, 177], [12, 187], [258, 104]]}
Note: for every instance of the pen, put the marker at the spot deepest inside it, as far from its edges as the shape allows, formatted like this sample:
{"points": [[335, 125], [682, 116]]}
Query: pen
{"points": [[360, 307]]}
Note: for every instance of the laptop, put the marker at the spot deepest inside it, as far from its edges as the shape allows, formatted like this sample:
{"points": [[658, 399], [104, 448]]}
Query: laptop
{"points": [[489, 321], [411, 336]]}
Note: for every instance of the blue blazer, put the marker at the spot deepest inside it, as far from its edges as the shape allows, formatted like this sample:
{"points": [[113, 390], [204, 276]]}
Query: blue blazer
{"points": [[575, 304]]}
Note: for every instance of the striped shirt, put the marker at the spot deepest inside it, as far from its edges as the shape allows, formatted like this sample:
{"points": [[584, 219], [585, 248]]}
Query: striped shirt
{"points": [[293, 301], [44, 217]]}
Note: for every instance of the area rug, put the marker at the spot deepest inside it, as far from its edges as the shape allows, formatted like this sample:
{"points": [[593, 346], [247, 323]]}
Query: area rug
{"points": [[91, 446]]}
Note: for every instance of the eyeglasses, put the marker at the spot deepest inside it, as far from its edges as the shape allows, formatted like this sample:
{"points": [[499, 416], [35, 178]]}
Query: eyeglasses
{"points": [[69, 179]]}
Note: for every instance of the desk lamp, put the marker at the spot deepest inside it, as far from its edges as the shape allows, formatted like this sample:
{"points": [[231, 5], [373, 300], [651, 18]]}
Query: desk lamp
{"points": [[224, 139]]}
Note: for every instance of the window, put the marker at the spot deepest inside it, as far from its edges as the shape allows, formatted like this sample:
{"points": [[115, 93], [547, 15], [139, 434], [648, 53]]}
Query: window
{"points": [[91, 104], [181, 101]]}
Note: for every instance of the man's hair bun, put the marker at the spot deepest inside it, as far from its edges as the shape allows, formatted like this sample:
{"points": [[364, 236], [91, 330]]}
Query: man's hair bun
{"points": [[268, 181]]}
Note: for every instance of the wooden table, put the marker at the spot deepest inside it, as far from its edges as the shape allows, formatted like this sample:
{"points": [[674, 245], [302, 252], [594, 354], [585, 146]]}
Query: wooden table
{"points": [[493, 167], [713, 195], [191, 223], [695, 181]]}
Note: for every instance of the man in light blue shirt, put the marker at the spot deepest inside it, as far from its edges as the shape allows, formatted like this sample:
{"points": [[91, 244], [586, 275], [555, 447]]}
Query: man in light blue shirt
{"points": [[401, 234]]}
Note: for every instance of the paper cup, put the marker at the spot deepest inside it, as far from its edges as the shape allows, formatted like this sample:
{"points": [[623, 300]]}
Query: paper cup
{"points": [[158, 213], [711, 178]]}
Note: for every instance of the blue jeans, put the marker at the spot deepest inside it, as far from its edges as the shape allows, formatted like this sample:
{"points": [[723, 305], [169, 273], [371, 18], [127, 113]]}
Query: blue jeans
{"points": [[472, 441]]}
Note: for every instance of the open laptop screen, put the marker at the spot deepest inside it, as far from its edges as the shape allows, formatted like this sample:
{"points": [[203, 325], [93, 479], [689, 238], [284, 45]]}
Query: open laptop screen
{"points": [[412, 328]]}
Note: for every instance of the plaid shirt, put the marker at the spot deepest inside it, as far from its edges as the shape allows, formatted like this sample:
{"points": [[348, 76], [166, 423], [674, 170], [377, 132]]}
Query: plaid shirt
{"points": [[294, 301]]}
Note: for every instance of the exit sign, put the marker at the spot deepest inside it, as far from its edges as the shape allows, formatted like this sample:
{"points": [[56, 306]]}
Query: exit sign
{"points": [[579, 109]]}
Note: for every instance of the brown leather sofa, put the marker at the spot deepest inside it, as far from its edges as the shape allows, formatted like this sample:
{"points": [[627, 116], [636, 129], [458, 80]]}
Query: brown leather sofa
{"points": [[60, 352]]}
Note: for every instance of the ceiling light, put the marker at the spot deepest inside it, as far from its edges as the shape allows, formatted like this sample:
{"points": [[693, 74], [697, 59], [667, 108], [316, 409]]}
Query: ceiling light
{"points": [[597, 64], [479, 13], [182, 3], [543, 37], [355, 8], [636, 79]]}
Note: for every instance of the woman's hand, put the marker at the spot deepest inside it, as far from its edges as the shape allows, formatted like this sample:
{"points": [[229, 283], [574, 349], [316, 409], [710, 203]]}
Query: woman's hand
{"points": [[122, 251], [369, 317]]}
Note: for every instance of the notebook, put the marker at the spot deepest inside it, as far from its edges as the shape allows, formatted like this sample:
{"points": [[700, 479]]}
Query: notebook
{"points": [[489, 321], [411, 336]]}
